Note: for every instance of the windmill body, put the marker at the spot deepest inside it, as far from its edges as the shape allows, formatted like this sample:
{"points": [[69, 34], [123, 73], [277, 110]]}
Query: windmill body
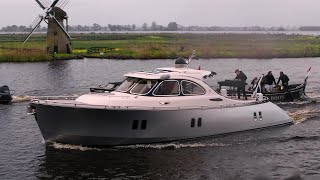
{"points": [[58, 39]]}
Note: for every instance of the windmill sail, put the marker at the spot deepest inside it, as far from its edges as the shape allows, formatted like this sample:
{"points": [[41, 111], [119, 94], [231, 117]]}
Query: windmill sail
{"points": [[34, 28], [54, 3], [62, 4], [40, 4]]}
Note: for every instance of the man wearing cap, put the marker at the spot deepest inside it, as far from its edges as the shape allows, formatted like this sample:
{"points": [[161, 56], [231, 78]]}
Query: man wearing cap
{"points": [[241, 77]]}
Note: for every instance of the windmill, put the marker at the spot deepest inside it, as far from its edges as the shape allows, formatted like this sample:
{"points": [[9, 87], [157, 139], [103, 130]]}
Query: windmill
{"points": [[58, 39]]}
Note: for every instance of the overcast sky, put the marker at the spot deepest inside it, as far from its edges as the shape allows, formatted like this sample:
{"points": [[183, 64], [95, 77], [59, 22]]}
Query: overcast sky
{"points": [[185, 12]]}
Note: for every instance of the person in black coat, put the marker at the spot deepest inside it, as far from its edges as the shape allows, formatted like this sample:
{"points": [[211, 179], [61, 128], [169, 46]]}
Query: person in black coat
{"points": [[269, 80], [241, 77], [284, 79]]}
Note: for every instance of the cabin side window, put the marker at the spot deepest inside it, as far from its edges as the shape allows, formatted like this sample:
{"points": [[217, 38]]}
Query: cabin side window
{"points": [[191, 88], [167, 88], [127, 84], [143, 87]]}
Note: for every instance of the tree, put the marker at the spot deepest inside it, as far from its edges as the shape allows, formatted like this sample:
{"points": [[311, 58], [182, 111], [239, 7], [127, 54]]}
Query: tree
{"points": [[133, 27], [144, 26], [22, 28], [153, 26], [96, 27], [172, 26], [86, 28]]}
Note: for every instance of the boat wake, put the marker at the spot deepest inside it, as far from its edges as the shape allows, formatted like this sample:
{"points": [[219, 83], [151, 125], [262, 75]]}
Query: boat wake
{"points": [[73, 147], [313, 94], [302, 115], [171, 145], [21, 98], [160, 146]]}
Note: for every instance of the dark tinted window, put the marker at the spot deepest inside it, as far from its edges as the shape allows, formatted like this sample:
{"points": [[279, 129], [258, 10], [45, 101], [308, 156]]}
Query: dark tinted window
{"points": [[127, 84], [143, 86], [191, 88], [167, 88]]}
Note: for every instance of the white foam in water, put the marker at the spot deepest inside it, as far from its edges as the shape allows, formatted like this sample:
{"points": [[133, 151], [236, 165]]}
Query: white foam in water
{"points": [[313, 94], [43, 141], [303, 115], [21, 98], [172, 145], [139, 146], [73, 147], [295, 103]]}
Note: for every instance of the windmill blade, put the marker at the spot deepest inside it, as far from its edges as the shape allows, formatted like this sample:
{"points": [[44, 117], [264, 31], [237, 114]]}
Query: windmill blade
{"points": [[61, 2], [40, 4], [61, 27], [47, 2], [54, 3], [64, 4], [36, 26]]}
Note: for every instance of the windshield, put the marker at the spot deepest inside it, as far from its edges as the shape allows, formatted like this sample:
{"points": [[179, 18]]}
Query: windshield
{"points": [[143, 86], [127, 84]]}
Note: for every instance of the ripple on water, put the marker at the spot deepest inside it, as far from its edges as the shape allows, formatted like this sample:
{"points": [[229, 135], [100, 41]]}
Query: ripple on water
{"points": [[300, 116]]}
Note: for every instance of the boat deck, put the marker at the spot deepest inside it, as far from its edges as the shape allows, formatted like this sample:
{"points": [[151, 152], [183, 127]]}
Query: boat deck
{"points": [[70, 102]]}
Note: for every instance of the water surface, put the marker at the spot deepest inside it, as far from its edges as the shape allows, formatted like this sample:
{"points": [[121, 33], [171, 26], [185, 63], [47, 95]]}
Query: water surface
{"points": [[277, 153]]}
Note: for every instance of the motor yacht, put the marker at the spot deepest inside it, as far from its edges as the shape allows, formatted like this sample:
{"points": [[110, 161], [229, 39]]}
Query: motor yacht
{"points": [[166, 104]]}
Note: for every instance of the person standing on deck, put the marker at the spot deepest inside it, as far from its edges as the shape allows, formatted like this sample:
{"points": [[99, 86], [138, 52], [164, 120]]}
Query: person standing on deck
{"points": [[269, 80], [241, 77], [284, 79]]}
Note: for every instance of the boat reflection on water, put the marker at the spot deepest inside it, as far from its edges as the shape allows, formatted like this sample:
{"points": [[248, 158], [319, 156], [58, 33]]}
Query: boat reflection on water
{"points": [[209, 158]]}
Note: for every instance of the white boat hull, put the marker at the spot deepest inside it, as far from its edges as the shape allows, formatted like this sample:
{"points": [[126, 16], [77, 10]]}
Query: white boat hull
{"points": [[98, 125]]}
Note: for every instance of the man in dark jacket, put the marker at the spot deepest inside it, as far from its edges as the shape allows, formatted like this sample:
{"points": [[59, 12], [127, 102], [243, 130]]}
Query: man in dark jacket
{"points": [[284, 79], [269, 80], [241, 77]]}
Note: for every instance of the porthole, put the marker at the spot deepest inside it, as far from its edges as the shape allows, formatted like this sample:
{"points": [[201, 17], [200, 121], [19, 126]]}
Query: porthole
{"points": [[199, 122], [144, 124], [192, 122], [135, 124]]}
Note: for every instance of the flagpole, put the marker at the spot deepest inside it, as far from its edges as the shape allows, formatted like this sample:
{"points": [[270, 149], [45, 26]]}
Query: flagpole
{"points": [[307, 76]]}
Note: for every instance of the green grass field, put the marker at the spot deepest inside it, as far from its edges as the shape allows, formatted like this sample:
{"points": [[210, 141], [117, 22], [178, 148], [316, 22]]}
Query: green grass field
{"points": [[164, 46]]}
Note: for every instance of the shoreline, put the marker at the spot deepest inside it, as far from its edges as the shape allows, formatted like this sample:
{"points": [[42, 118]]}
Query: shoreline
{"points": [[166, 46], [81, 57]]}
